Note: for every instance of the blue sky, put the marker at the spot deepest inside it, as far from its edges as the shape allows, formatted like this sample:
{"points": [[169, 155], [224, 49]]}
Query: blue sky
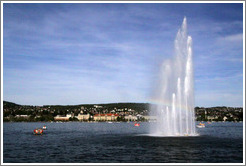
{"points": [[103, 53]]}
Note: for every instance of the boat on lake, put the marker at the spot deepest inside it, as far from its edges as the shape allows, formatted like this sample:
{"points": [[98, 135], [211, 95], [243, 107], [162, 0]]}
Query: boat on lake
{"points": [[137, 124], [44, 127], [38, 131], [201, 125]]}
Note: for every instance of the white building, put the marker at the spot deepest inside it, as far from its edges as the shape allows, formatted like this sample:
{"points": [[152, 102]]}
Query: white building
{"points": [[150, 118], [130, 118], [22, 116], [83, 117], [225, 118]]}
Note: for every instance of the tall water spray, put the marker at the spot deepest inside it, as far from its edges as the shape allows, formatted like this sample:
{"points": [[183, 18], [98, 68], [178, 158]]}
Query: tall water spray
{"points": [[175, 109]]}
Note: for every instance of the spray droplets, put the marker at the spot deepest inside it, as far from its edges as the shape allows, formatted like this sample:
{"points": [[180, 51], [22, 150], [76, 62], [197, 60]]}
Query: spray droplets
{"points": [[176, 118]]}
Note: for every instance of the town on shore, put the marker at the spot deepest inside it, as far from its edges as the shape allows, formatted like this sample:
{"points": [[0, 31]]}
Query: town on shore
{"points": [[123, 112]]}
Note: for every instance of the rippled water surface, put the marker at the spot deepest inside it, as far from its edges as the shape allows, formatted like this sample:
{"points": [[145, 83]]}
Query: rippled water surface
{"points": [[75, 142]]}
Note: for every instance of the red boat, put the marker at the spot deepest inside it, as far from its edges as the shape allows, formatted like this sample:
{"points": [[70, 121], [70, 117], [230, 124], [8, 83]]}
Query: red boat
{"points": [[38, 131], [136, 124]]}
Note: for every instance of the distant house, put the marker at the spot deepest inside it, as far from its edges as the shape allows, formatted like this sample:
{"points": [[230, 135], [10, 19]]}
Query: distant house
{"points": [[130, 118], [61, 118], [225, 118], [83, 117], [37, 116], [150, 118], [70, 115], [22, 116], [97, 106], [105, 117], [211, 118]]}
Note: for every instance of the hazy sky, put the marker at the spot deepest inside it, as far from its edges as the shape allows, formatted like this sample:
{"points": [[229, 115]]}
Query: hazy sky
{"points": [[102, 53]]}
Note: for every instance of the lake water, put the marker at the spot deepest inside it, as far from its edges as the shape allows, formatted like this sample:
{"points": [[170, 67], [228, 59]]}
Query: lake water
{"points": [[76, 142]]}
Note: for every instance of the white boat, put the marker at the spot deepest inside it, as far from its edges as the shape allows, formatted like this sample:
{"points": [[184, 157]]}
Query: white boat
{"points": [[201, 125], [44, 128]]}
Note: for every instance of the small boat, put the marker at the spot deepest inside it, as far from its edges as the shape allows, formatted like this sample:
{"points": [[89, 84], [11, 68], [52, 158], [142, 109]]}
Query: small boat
{"points": [[44, 128], [137, 124], [38, 131], [201, 125], [109, 122]]}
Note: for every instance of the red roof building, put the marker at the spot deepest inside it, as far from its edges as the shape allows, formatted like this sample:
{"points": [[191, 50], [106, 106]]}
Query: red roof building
{"points": [[105, 117]]}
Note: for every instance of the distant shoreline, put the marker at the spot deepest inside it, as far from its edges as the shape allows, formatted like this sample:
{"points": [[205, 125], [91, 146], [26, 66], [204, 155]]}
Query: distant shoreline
{"points": [[115, 112], [113, 122]]}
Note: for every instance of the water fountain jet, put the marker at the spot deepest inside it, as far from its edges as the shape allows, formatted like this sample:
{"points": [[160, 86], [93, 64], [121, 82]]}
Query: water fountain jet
{"points": [[175, 114]]}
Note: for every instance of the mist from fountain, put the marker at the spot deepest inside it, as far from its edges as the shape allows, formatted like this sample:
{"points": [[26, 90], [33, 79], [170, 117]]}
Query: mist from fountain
{"points": [[175, 111]]}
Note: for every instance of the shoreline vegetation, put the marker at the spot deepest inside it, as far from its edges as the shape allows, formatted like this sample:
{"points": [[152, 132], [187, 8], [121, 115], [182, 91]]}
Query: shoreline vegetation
{"points": [[112, 112]]}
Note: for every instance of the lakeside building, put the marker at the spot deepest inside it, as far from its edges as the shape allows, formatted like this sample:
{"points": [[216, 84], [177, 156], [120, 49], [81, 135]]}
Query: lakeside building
{"points": [[131, 118], [225, 118], [70, 115], [150, 118], [211, 118], [98, 106], [83, 117], [106, 117], [61, 118], [22, 116]]}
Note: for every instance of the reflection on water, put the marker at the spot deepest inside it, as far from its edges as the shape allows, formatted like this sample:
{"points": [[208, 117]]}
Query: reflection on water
{"points": [[75, 142]]}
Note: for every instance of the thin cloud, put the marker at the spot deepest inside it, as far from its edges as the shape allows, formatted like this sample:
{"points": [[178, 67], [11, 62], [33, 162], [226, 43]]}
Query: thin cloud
{"points": [[233, 38]]}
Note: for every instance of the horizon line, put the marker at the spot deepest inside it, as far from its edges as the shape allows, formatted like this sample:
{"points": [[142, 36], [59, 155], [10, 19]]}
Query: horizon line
{"points": [[112, 103]]}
